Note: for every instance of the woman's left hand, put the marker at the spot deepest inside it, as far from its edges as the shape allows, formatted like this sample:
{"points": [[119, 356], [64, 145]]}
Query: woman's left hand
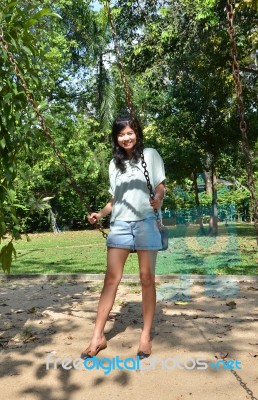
{"points": [[156, 202]]}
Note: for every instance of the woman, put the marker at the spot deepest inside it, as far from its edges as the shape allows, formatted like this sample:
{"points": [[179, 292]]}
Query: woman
{"points": [[133, 226]]}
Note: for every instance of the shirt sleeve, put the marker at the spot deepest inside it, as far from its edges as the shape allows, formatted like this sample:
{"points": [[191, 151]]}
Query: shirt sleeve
{"points": [[111, 178], [156, 167]]}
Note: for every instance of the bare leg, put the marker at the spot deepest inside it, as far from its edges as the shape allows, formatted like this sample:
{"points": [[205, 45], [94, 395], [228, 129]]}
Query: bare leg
{"points": [[147, 262], [115, 263]]}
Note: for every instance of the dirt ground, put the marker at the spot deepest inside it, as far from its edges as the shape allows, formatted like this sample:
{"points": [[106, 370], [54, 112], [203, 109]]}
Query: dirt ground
{"points": [[198, 322]]}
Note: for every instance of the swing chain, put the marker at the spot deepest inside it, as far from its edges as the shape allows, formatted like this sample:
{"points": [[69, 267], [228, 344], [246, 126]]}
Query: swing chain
{"points": [[240, 102], [235, 67], [119, 61], [128, 97], [149, 186], [45, 128]]}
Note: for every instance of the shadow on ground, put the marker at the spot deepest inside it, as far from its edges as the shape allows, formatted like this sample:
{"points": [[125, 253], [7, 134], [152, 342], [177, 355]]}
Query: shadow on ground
{"points": [[48, 314]]}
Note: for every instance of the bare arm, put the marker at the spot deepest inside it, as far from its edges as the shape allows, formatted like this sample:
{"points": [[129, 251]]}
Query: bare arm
{"points": [[96, 216], [159, 194]]}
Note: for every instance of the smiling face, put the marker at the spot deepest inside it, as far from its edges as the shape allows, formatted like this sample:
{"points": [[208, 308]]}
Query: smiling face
{"points": [[126, 139]]}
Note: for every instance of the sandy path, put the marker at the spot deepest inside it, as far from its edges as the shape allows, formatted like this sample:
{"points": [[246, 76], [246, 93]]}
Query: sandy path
{"points": [[39, 317]]}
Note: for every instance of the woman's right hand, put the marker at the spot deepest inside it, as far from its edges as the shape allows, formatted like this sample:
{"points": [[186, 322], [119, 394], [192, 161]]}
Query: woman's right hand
{"points": [[94, 217]]}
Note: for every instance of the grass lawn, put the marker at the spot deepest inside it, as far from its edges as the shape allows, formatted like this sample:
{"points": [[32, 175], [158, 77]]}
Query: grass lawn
{"points": [[234, 251]]}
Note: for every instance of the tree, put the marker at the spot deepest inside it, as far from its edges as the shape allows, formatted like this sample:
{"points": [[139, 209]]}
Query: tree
{"points": [[19, 41], [180, 60]]}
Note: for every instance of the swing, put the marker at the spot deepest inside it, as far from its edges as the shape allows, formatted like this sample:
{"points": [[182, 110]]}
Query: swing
{"points": [[56, 150], [163, 230]]}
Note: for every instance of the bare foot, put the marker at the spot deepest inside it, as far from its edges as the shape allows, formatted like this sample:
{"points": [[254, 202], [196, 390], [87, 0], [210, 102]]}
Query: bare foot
{"points": [[96, 345], [145, 346]]}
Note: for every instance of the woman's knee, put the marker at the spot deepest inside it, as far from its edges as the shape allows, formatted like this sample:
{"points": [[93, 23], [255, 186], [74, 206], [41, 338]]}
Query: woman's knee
{"points": [[147, 279], [112, 279]]}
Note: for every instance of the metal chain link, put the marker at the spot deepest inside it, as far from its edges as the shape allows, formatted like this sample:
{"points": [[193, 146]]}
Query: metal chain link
{"points": [[119, 61], [45, 128], [147, 177], [244, 385], [243, 125]]}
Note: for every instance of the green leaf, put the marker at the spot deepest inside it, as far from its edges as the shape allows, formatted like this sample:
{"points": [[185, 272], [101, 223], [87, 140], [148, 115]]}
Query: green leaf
{"points": [[6, 255], [3, 143], [26, 49], [30, 22], [12, 4], [46, 12], [47, 198], [38, 15], [11, 194], [7, 96]]}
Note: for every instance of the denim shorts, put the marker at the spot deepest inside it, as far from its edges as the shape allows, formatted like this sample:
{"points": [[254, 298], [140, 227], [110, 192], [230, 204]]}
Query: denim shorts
{"points": [[135, 235]]}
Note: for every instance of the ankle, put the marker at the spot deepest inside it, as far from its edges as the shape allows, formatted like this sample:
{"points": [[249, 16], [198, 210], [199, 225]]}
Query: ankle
{"points": [[98, 334], [145, 336]]}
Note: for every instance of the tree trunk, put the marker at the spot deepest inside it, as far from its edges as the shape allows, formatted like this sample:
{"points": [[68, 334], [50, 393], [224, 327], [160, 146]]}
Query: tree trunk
{"points": [[208, 182], [100, 81], [214, 205], [241, 110], [197, 202]]}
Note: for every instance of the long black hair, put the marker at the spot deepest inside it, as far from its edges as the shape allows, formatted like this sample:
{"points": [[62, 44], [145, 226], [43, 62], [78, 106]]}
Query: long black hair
{"points": [[119, 154]]}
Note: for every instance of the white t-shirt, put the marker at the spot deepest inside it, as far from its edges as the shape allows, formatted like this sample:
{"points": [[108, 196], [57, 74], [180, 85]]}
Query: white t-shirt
{"points": [[129, 189]]}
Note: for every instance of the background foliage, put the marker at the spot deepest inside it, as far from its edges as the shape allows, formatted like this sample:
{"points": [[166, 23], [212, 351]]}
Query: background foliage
{"points": [[177, 59]]}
